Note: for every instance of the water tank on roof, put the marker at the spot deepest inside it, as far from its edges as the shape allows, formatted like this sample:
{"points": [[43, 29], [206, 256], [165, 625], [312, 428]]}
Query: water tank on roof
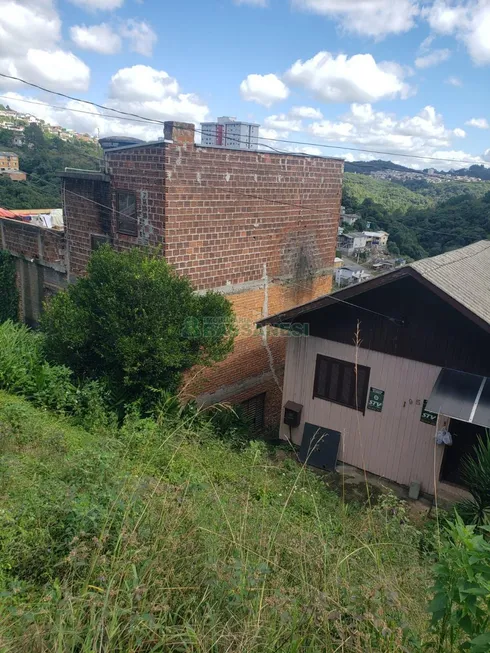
{"points": [[110, 142]]}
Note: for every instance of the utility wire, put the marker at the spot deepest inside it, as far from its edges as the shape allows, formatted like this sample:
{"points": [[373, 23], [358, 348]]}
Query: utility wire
{"points": [[343, 301], [90, 113], [156, 121]]}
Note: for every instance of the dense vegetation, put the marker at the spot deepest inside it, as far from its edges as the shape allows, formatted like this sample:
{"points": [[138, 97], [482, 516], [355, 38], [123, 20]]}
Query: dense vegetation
{"points": [[159, 536], [9, 295], [424, 222], [134, 324], [43, 157]]}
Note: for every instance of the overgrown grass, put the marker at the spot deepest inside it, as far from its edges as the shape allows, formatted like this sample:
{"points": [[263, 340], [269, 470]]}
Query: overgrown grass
{"points": [[160, 537]]}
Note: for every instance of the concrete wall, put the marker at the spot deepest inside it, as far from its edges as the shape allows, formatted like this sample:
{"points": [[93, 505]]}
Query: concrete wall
{"points": [[394, 444]]}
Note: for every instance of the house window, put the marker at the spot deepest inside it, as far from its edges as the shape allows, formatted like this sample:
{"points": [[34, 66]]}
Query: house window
{"points": [[337, 381], [127, 222], [253, 410]]}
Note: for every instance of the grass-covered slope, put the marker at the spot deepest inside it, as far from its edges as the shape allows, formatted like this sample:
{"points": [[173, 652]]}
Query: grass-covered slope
{"points": [[159, 537]]}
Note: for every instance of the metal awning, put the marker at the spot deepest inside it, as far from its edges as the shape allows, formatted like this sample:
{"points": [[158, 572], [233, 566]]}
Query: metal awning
{"points": [[461, 396]]}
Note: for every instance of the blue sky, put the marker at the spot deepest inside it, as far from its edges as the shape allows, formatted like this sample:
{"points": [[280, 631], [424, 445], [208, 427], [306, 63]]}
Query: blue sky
{"points": [[403, 76]]}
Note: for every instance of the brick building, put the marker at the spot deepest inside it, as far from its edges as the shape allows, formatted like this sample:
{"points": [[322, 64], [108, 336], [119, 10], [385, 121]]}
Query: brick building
{"points": [[259, 227], [41, 262], [9, 166]]}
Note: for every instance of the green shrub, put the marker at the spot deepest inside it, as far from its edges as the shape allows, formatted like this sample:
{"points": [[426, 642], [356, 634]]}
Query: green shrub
{"points": [[25, 371], [134, 323], [9, 295], [461, 604], [475, 473]]}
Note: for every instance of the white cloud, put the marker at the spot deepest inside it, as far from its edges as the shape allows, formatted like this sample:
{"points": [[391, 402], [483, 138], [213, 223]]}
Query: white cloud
{"points": [[272, 134], [141, 90], [30, 33], [25, 24], [308, 113], [57, 69], [141, 36], [342, 79], [62, 69], [263, 89], [468, 21], [98, 38], [375, 18], [444, 17], [336, 131], [98, 5], [454, 81], [479, 123], [144, 83], [433, 58], [426, 43], [423, 134], [283, 122], [154, 94]]}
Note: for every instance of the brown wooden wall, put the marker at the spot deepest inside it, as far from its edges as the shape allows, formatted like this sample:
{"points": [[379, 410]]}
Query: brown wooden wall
{"points": [[434, 332]]}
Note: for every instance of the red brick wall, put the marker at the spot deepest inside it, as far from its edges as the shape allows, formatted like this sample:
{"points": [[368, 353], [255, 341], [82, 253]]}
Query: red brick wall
{"points": [[32, 242], [221, 215], [140, 170], [83, 216], [230, 212]]}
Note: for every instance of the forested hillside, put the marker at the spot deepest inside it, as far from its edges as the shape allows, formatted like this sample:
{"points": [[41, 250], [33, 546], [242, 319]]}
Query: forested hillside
{"points": [[42, 157], [424, 222]]}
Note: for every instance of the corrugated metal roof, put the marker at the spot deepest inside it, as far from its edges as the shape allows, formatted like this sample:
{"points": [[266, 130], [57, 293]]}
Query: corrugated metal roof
{"points": [[4, 213], [463, 274]]}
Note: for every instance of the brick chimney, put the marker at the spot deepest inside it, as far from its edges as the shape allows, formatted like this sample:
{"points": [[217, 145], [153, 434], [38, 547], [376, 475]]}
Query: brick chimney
{"points": [[178, 132]]}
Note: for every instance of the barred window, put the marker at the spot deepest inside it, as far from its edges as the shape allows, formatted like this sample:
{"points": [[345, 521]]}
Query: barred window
{"points": [[254, 411]]}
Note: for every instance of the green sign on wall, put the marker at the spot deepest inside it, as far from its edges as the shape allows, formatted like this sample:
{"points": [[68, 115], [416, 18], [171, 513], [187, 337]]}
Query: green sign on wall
{"points": [[376, 399], [426, 416]]}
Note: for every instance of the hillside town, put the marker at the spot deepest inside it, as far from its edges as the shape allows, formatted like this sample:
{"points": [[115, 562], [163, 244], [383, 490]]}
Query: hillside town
{"points": [[431, 176], [16, 122]]}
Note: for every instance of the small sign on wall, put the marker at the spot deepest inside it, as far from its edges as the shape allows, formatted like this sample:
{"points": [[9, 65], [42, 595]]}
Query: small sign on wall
{"points": [[426, 416], [376, 399]]}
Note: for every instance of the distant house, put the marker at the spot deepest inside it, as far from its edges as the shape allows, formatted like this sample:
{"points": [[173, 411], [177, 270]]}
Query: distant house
{"points": [[352, 243], [9, 166], [377, 239], [346, 275], [9, 161], [422, 365], [350, 218]]}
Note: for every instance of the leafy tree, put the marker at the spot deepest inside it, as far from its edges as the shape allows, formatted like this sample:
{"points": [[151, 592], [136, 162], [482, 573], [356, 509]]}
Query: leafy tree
{"points": [[135, 324], [34, 135]]}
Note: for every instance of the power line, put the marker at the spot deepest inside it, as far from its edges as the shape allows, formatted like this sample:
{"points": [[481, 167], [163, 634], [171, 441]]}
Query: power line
{"points": [[156, 121], [89, 113], [388, 317]]}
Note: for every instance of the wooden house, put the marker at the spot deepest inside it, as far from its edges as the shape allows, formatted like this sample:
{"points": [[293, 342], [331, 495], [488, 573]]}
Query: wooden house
{"points": [[376, 370]]}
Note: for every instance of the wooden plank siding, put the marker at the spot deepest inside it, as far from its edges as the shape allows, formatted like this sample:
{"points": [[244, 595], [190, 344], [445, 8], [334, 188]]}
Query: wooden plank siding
{"points": [[393, 444], [434, 332]]}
